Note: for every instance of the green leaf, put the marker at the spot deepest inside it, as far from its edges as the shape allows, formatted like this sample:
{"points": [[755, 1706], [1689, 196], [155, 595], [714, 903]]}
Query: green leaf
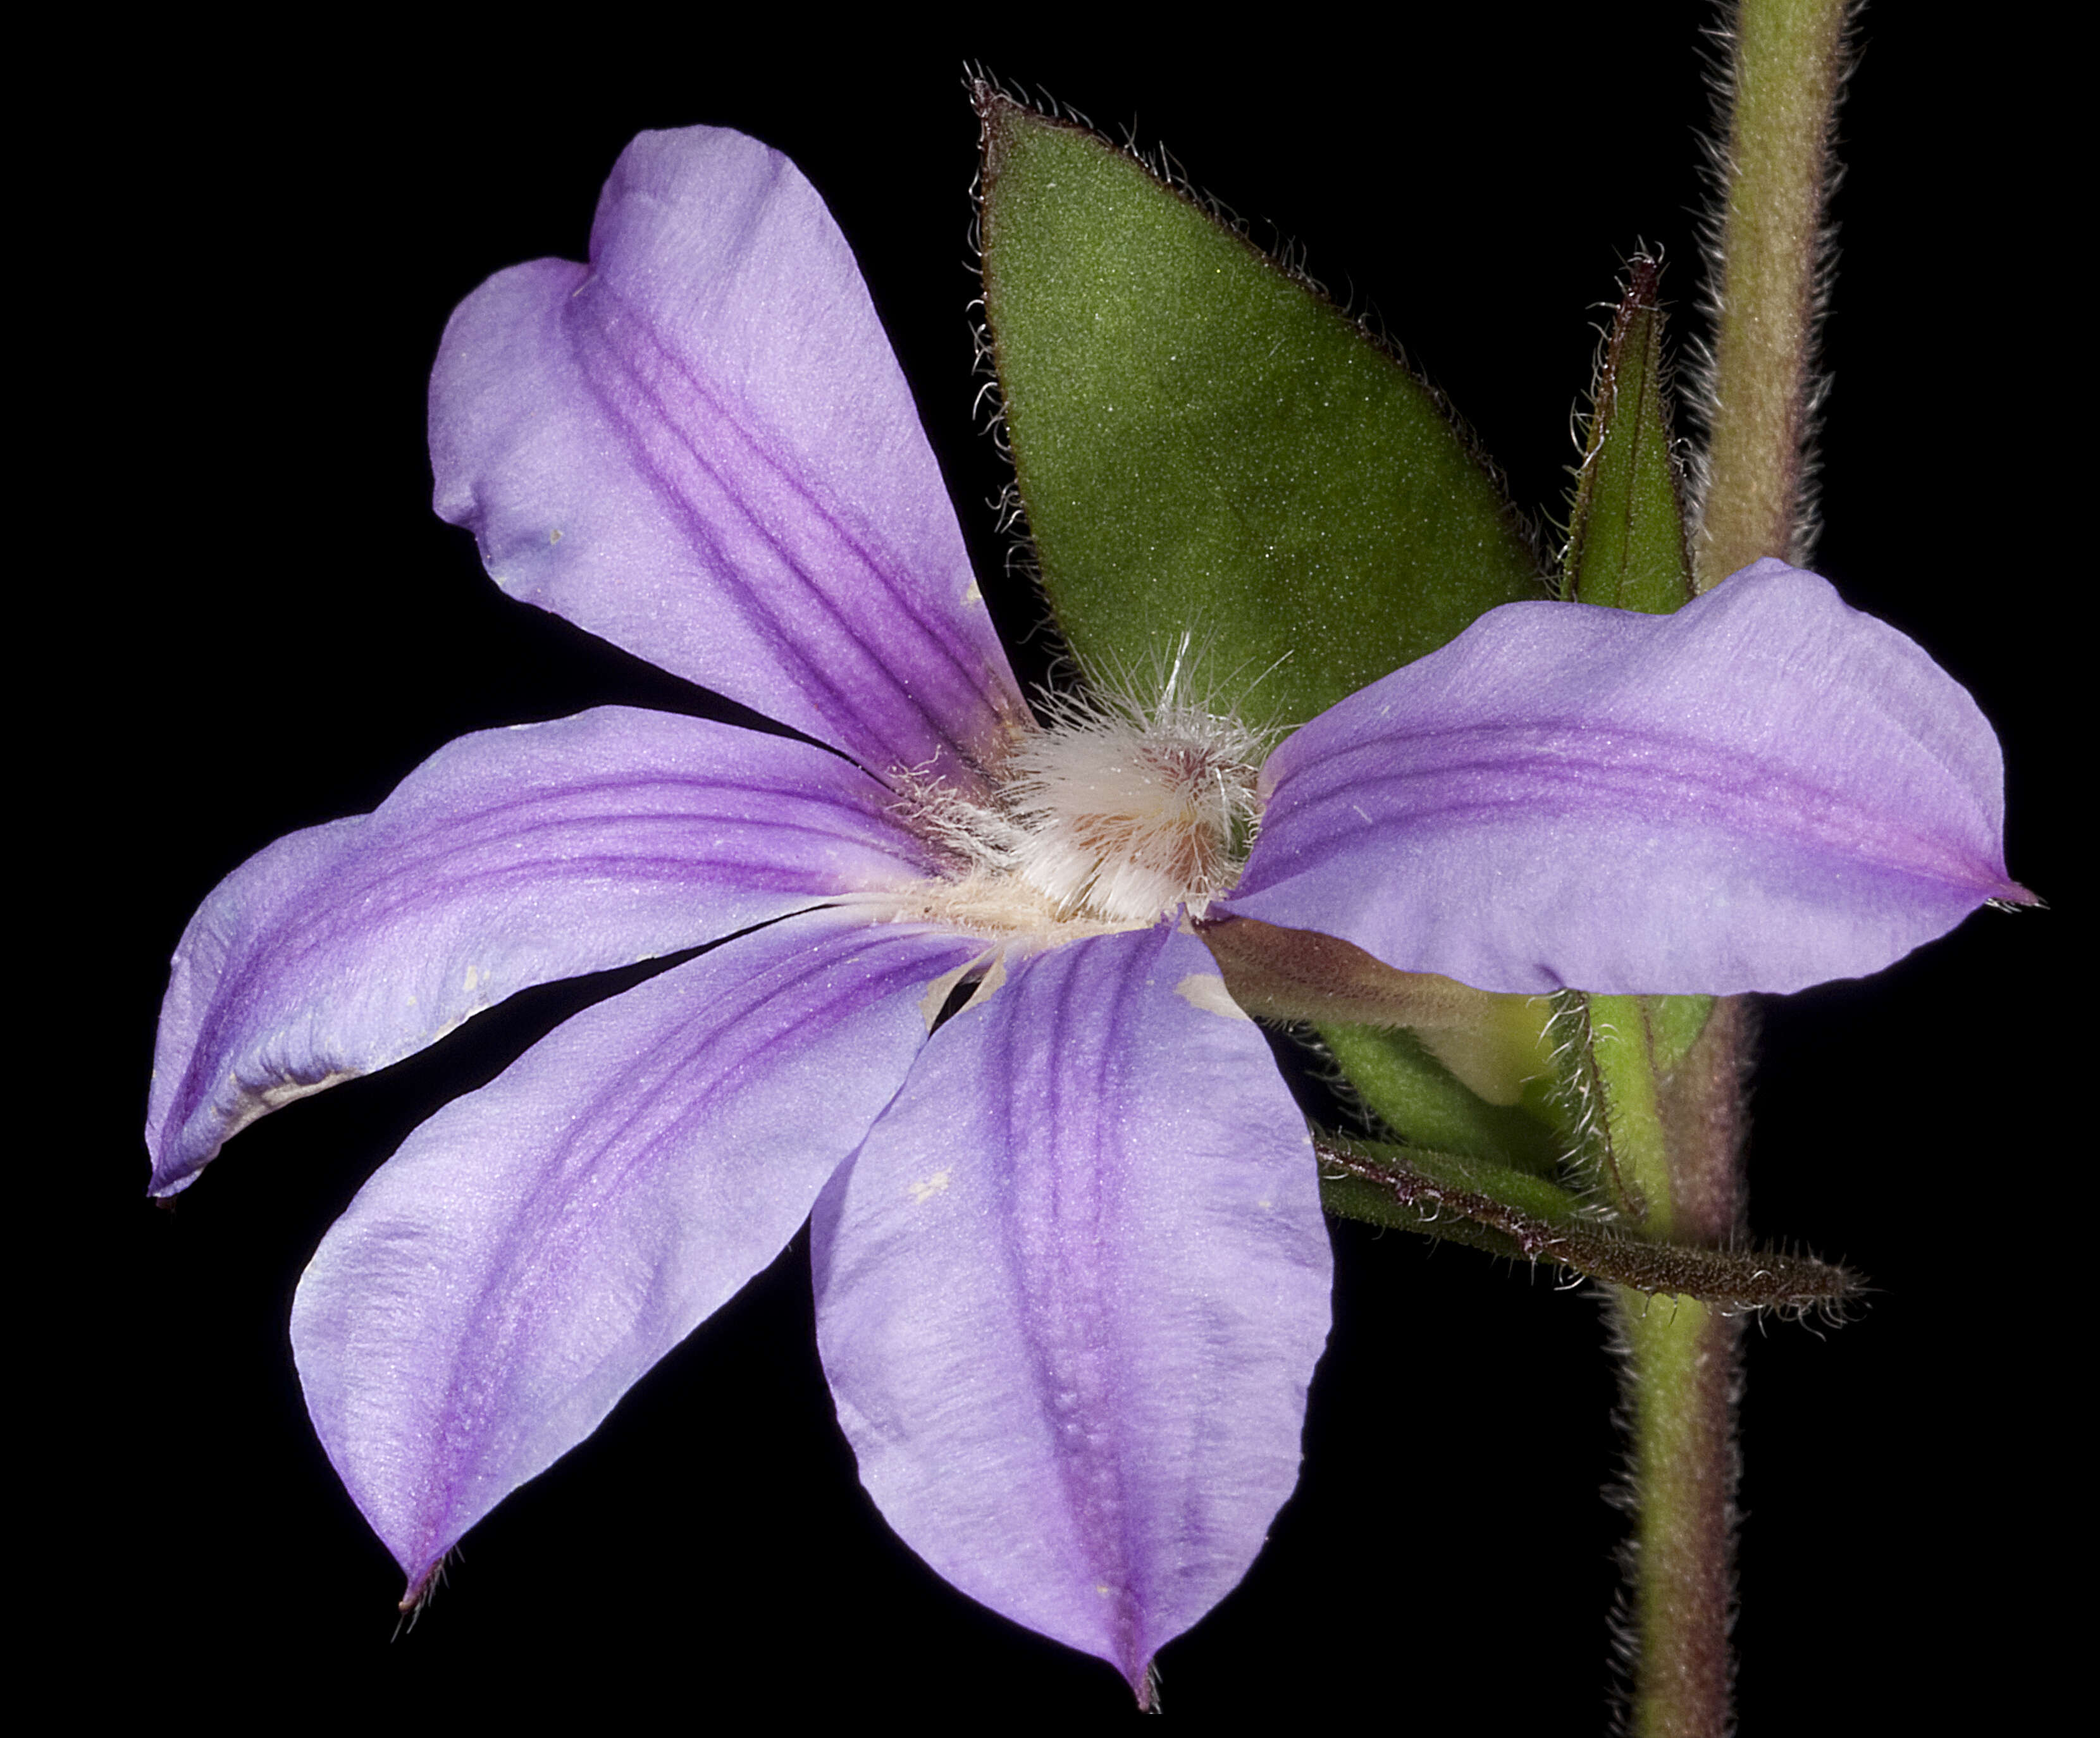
{"points": [[1205, 445], [1627, 546]]}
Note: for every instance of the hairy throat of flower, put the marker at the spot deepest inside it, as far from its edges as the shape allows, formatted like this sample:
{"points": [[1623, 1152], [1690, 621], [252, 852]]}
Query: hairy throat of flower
{"points": [[1104, 820]]}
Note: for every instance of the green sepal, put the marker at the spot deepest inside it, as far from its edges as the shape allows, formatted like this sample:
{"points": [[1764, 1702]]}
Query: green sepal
{"points": [[1398, 1076], [1627, 546], [1618, 1056], [1205, 445], [1633, 1080]]}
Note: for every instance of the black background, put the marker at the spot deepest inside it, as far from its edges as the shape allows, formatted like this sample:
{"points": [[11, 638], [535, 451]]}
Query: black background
{"points": [[265, 628]]}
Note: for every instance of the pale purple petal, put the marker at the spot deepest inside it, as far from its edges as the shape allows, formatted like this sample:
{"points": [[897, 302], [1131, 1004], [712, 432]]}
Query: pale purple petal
{"points": [[1764, 790], [508, 858], [700, 447], [537, 1246], [1071, 1290]]}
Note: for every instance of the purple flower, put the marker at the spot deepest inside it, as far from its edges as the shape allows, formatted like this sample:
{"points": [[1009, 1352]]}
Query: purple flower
{"points": [[1071, 1275]]}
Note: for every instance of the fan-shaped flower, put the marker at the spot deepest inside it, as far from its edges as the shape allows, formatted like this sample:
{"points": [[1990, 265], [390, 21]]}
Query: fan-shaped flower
{"points": [[1071, 1275]]}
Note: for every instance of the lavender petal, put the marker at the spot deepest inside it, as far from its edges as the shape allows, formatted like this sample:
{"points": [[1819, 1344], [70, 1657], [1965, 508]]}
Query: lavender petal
{"points": [[508, 858], [537, 1246], [1071, 1290], [701, 447], [1764, 790]]}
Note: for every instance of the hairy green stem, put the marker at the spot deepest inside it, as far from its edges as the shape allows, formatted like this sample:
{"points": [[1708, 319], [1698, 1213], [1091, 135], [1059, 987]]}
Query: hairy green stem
{"points": [[1683, 1363], [1787, 67], [1683, 1375]]}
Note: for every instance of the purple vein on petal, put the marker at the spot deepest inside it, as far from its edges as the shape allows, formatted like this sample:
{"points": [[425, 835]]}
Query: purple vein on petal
{"points": [[1575, 768], [1056, 1243], [817, 595]]}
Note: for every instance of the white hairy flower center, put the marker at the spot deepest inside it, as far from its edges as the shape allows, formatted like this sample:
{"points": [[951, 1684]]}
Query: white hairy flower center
{"points": [[1106, 818], [1126, 823]]}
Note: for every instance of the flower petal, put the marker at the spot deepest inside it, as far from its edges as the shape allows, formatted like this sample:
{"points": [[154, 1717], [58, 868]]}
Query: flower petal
{"points": [[700, 447], [1071, 1290], [537, 1246], [1764, 791], [509, 858]]}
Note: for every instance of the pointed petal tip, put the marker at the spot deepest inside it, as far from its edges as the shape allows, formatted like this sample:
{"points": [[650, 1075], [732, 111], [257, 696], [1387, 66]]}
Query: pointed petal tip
{"points": [[424, 1580], [1144, 1685]]}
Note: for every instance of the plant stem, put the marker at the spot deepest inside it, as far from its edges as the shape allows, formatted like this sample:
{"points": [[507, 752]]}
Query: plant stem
{"points": [[1788, 66], [1683, 1377]]}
